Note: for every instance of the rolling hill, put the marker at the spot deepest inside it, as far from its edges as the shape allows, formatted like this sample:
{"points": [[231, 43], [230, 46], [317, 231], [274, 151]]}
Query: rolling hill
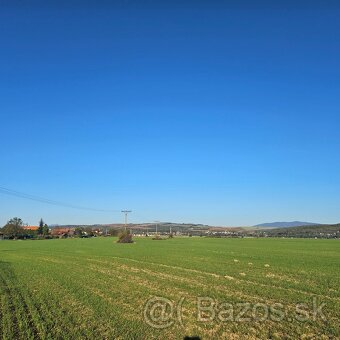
{"points": [[284, 224]]}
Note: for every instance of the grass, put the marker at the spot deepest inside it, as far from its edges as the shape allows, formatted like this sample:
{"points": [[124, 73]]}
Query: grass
{"points": [[88, 288]]}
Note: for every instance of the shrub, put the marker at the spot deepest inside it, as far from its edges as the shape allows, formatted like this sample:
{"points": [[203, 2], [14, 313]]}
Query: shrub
{"points": [[158, 238], [125, 237]]}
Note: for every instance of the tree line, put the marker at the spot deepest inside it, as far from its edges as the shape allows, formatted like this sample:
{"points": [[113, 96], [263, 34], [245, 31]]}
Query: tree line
{"points": [[14, 229]]}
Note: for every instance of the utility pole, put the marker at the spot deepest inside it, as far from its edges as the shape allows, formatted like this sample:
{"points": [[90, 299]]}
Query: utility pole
{"points": [[156, 227], [126, 212]]}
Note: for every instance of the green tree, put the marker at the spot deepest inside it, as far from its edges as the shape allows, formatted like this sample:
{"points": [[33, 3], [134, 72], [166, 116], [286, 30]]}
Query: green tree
{"points": [[45, 230], [13, 228], [16, 221], [78, 232], [40, 230]]}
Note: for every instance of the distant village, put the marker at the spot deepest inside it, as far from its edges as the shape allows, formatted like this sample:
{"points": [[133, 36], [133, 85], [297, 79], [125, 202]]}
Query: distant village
{"points": [[32, 232], [17, 229]]}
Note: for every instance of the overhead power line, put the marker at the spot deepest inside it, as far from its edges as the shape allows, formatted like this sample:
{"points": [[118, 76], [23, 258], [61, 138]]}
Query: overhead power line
{"points": [[7, 191]]}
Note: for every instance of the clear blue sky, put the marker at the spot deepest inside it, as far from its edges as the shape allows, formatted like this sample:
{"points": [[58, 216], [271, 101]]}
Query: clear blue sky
{"points": [[214, 114]]}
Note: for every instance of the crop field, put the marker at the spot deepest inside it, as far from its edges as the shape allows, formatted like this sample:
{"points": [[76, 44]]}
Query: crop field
{"points": [[211, 288]]}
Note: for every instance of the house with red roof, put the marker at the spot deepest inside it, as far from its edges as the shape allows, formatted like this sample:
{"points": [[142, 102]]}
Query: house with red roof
{"points": [[30, 227]]}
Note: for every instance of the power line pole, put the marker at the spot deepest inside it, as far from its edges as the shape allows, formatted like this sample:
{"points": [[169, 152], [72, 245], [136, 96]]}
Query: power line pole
{"points": [[126, 212], [156, 227]]}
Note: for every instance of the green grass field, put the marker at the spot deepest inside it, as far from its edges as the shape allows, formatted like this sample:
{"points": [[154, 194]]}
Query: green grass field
{"points": [[96, 288]]}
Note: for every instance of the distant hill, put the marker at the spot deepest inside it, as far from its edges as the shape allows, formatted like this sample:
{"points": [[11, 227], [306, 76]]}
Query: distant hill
{"points": [[284, 224], [151, 227], [319, 231]]}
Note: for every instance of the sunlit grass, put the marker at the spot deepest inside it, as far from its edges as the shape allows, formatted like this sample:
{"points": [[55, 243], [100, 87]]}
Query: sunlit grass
{"points": [[88, 288]]}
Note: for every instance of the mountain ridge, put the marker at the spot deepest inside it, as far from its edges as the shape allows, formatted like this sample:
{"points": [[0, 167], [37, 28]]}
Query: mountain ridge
{"points": [[285, 224]]}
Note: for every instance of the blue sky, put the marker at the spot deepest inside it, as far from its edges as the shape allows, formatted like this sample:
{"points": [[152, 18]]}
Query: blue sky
{"points": [[218, 115]]}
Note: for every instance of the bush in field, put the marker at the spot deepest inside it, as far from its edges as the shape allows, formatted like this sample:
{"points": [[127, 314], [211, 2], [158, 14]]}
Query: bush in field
{"points": [[158, 238], [125, 237]]}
